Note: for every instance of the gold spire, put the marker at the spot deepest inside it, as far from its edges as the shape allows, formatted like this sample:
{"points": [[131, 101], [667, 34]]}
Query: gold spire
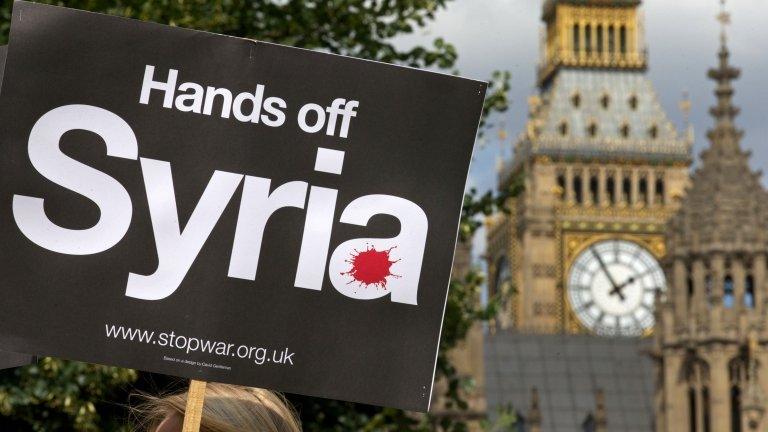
{"points": [[685, 107], [725, 20]]}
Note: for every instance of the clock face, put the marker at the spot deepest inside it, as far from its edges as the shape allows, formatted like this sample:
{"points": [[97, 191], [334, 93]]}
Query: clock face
{"points": [[612, 285]]}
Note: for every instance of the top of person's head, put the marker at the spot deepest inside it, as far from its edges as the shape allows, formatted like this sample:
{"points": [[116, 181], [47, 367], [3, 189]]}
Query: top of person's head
{"points": [[227, 408]]}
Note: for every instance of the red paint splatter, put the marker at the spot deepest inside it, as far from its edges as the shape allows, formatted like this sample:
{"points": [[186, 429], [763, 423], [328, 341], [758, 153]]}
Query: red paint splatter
{"points": [[371, 267]]}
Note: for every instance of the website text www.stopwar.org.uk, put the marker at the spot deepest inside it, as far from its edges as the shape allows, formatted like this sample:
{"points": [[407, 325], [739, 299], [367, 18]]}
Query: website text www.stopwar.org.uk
{"points": [[189, 345]]}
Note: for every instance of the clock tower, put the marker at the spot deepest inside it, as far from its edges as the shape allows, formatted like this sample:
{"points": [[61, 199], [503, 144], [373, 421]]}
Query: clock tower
{"points": [[603, 169]]}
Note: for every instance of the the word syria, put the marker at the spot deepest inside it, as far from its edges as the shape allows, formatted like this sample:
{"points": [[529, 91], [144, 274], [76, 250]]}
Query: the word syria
{"points": [[245, 107], [177, 248]]}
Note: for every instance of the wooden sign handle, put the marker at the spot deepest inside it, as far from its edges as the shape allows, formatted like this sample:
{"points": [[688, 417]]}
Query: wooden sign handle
{"points": [[194, 411]]}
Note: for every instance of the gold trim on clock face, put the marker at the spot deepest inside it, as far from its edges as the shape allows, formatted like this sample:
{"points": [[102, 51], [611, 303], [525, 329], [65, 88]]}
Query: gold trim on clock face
{"points": [[611, 287]]}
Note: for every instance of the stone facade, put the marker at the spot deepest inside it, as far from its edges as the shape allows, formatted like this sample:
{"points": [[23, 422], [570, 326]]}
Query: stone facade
{"points": [[710, 344], [600, 161]]}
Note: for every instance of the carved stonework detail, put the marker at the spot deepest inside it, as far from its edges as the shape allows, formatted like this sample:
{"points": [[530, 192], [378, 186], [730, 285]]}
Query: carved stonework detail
{"points": [[582, 182], [711, 343], [544, 271]]}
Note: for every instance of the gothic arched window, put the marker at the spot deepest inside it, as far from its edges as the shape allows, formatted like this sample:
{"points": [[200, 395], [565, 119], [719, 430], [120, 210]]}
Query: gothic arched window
{"points": [[728, 296], [626, 188], [593, 189], [643, 189], [588, 38], [611, 40], [611, 189], [576, 100], [577, 189], [660, 195], [633, 102], [653, 132], [503, 276], [561, 184], [600, 39], [705, 408], [696, 372], [623, 39], [735, 408], [624, 130], [740, 374], [592, 130], [689, 282], [576, 38], [563, 128], [692, 409], [605, 101], [749, 292]]}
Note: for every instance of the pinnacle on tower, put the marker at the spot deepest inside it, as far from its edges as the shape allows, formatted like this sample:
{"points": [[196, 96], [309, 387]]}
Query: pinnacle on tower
{"points": [[725, 135]]}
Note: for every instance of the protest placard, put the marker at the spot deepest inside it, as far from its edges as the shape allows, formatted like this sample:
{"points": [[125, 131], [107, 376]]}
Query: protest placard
{"points": [[225, 209], [10, 360]]}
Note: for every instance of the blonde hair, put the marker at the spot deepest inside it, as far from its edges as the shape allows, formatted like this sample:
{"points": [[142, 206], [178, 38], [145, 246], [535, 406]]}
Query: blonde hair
{"points": [[227, 408]]}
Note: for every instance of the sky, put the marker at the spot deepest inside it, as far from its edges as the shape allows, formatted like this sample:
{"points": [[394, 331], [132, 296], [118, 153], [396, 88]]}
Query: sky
{"points": [[682, 37]]}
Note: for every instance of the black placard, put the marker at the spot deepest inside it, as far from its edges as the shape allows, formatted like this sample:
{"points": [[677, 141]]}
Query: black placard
{"points": [[8, 359], [227, 210]]}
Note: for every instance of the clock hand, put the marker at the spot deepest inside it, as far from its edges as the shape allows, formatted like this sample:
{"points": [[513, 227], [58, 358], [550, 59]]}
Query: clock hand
{"points": [[629, 281], [617, 289], [615, 286]]}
